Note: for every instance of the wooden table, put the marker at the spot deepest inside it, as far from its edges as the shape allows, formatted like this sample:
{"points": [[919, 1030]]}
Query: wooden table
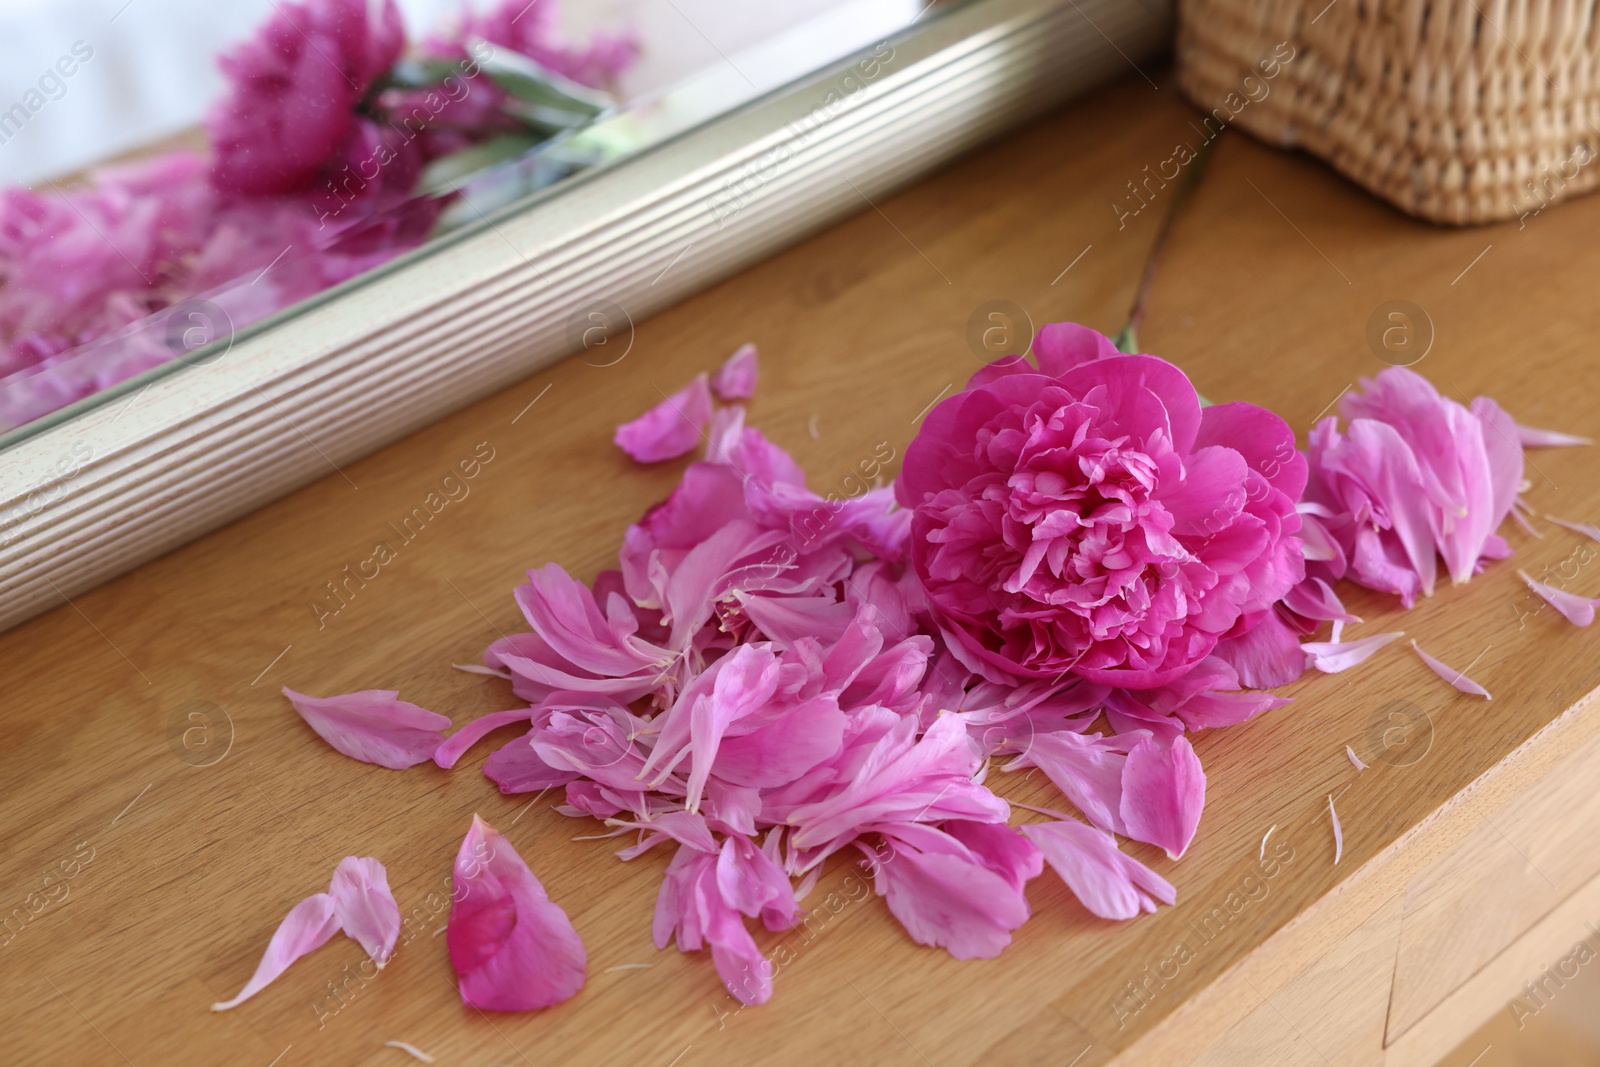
{"points": [[149, 752]]}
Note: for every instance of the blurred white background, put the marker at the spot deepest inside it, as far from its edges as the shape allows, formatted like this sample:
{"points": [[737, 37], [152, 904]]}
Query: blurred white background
{"points": [[152, 73]]}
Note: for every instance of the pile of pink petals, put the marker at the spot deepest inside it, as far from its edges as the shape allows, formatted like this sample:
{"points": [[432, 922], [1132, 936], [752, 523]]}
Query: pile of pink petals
{"points": [[1078, 566], [304, 188]]}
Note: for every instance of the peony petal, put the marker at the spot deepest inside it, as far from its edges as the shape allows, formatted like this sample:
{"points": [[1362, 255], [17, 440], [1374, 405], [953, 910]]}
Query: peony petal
{"points": [[1331, 657], [945, 895], [516, 768], [1355, 760], [1110, 884], [307, 927], [1060, 346], [1454, 677], [364, 906], [1315, 599], [512, 948], [457, 744], [373, 726], [736, 380], [670, 429], [1266, 656], [1163, 792], [1338, 832], [1531, 437], [1591, 532], [1578, 610]]}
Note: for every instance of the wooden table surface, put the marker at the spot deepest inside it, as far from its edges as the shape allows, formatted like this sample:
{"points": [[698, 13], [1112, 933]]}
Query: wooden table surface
{"points": [[184, 859]]}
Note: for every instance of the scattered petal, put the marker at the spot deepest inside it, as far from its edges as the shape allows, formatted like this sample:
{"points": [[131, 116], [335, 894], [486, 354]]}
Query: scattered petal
{"points": [[412, 1050], [512, 947], [1451, 675], [478, 668], [1331, 657], [307, 927], [364, 906], [1355, 760], [1531, 437], [1578, 610], [373, 726], [1110, 884], [1338, 832], [1163, 792], [736, 380], [811, 428], [1591, 532], [670, 429], [457, 744]]}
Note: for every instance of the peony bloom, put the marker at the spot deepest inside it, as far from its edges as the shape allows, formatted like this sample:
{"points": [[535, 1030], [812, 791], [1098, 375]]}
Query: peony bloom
{"points": [[1089, 517], [1412, 478], [295, 87]]}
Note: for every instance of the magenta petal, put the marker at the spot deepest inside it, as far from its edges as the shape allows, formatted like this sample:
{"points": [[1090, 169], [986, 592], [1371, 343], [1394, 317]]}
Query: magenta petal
{"points": [[364, 906], [1454, 677], [1163, 792], [1531, 437], [1107, 882], [456, 746], [307, 927], [1331, 657], [373, 726], [670, 429], [512, 948], [945, 894], [1265, 656], [1579, 610], [736, 380]]}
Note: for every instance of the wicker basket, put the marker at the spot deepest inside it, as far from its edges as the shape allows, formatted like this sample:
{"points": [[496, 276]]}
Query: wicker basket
{"points": [[1459, 111]]}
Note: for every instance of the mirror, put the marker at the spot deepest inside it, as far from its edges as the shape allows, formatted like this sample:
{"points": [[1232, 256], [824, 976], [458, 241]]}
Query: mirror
{"points": [[178, 171]]}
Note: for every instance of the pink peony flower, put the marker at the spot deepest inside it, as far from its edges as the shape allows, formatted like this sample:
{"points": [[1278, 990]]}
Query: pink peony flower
{"points": [[1089, 517], [1412, 478], [295, 87]]}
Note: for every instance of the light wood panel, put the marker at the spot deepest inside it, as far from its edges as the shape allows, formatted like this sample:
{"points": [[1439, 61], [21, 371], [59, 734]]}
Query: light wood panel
{"points": [[1263, 293]]}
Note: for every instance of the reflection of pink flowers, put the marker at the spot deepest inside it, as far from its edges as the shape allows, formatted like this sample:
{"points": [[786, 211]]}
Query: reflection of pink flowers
{"points": [[1090, 517], [296, 85], [1412, 478]]}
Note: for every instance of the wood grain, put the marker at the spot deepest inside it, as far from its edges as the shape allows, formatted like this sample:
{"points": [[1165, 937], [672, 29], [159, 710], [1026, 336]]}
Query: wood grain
{"points": [[1263, 293]]}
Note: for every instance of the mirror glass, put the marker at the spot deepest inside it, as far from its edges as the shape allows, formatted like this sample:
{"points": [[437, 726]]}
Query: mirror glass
{"points": [[175, 171]]}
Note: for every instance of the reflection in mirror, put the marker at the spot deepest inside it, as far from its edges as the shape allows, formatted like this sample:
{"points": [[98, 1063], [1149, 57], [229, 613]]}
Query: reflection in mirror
{"points": [[178, 170]]}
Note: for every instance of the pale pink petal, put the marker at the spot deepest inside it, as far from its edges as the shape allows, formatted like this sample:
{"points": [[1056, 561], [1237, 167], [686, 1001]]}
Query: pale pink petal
{"points": [[364, 906], [1315, 599], [944, 894], [1331, 657], [1591, 532], [1338, 831], [456, 746], [373, 725], [1086, 767], [1107, 882], [512, 947], [1531, 437], [1355, 760], [1579, 610], [307, 927], [670, 429], [736, 380], [1451, 675], [753, 883], [516, 768], [1163, 792]]}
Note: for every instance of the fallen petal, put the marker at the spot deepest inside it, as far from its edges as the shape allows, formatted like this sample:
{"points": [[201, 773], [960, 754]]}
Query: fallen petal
{"points": [[456, 746], [512, 947], [411, 1050], [1531, 437], [373, 726], [1449, 674], [670, 429], [364, 906], [1110, 884], [1591, 532], [1331, 657], [1338, 831], [307, 927], [1578, 610], [1163, 792], [1355, 760], [736, 380]]}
